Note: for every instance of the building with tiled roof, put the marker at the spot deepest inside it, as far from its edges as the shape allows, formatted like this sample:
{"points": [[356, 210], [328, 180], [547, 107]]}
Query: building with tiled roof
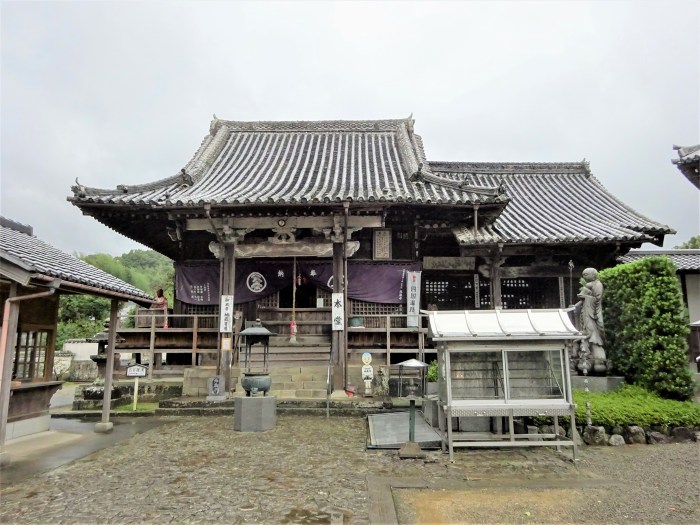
{"points": [[688, 163], [363, 194], [33, 274], [29, 259]]}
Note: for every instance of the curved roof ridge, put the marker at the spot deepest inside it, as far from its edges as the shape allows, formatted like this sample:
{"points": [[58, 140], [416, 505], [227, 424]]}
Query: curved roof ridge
{"points": [[511, 167], [313, 125]]}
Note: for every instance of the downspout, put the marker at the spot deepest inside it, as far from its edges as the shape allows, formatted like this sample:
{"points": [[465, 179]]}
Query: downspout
{"points": [[6, 358]]}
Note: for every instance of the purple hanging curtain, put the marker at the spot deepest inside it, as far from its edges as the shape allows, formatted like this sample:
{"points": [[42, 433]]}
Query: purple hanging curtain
{"points": [[199, 283], [367, 281]]}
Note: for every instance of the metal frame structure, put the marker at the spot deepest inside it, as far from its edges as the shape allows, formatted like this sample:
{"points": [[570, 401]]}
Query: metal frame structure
{"points": [[504, 339]]}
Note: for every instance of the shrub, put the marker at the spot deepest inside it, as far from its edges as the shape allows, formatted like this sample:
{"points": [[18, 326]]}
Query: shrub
{"points": [[432, 374], [633, 405], [645, 326]]}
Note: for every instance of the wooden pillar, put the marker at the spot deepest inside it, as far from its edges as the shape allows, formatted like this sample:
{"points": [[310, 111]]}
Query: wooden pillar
{"points": [[338, 337], [229, 283], [496, 298], [495, 261], [7, 350], [106, 425]]}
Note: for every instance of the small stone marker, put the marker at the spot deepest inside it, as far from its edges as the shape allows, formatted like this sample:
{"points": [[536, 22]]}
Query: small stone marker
{"points": [[215, 389]]}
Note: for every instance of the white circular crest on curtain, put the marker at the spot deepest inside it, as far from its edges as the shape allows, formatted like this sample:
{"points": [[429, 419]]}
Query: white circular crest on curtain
{"points": [[256, 282]]}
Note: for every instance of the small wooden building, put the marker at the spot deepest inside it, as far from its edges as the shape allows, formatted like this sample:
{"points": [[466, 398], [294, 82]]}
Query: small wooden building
{"points": [[33, 274], [283, 214]]}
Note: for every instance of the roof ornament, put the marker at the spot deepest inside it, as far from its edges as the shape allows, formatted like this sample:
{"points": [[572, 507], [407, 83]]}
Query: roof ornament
{"points": [[214, 125], [586, 166], [418, 175], [123, 188], [185, 178], [501, 187], [78, 190]]}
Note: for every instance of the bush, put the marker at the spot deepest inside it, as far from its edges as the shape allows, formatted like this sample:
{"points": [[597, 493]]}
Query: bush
{"points": [[645, 326], [432, 374], [633, 405]]}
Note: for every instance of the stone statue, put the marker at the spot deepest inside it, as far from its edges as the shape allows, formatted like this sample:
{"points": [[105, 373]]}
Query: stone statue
{"points": [[591, 355]]}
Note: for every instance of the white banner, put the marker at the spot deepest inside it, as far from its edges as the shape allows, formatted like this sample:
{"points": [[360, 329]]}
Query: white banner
{"points": [[413, 299], [338, 311], [226, 314]]}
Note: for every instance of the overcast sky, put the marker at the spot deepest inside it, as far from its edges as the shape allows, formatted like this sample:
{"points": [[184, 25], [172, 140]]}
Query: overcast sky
{"points": [[123, 92]]}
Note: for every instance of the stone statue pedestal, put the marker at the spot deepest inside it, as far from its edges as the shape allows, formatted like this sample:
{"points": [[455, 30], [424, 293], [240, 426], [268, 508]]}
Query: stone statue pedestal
{"points": [[597, 383], [254, 414]]}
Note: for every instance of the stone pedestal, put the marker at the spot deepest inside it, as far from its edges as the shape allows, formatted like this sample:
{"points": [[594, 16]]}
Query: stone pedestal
{"points": [[254, 414], [597, 383]]}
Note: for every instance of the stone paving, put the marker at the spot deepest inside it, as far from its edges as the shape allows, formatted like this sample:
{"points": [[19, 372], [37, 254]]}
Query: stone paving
{"points": [[312, 470]]}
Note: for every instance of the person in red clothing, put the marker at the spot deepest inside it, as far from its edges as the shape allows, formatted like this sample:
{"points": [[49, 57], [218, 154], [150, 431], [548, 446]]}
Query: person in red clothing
{"points": [[161, 304]]}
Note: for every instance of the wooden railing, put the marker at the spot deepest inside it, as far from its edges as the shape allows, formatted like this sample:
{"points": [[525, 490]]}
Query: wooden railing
{"points": [[388, 334], [144, 334]]}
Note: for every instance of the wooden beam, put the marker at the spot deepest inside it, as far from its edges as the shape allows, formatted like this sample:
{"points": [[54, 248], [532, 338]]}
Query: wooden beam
{"points": [[326, 221]]}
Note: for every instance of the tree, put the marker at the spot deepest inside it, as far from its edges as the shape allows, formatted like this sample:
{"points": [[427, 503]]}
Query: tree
{"points": [[693, 243], [646, 328], [83, 316]]}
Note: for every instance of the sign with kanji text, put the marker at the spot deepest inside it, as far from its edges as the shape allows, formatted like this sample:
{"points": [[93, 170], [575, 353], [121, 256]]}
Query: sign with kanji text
{"points": [[367, 373], [226, 314], [412, 299], [136, 371], [338, 311]]}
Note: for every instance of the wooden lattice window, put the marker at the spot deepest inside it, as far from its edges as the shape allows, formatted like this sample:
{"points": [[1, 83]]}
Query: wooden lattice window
{"points": [[325, 295], [271, 301], [531, 293], [448, 291], [366, 310], [31, 354]]}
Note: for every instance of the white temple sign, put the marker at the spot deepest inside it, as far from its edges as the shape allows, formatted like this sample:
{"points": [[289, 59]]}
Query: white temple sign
{"points": [[136, 370], [226, 319], [412, 299], [338, 311]]}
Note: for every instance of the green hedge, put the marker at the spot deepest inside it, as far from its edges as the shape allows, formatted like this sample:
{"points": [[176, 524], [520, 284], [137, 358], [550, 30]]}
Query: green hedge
{"points": [[632, 405], [646, 328]]}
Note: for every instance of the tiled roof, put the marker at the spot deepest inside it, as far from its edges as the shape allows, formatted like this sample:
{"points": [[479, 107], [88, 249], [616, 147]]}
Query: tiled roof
{"points": [[36, 256], [685, 260], [242, 163], [282, 163], [688, 162], [551, 203]]}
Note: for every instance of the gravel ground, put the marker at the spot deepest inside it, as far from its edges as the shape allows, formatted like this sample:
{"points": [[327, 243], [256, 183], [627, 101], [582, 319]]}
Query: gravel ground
{"points": [[631, 484], [312, 470]]}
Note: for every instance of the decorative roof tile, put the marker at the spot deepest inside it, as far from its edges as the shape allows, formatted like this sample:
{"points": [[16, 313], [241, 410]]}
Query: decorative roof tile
{"points": [[684, 260], [550, 203], [34, 255], [688, 162]]}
